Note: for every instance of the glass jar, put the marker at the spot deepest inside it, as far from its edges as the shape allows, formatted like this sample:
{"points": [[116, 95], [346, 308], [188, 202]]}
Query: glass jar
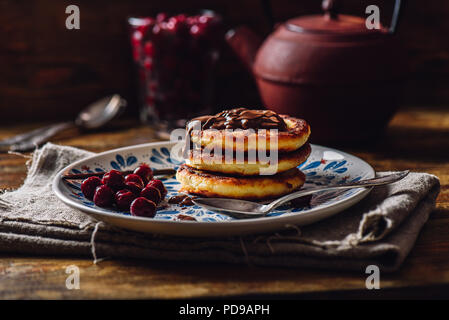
{"points": [[175, 58]]}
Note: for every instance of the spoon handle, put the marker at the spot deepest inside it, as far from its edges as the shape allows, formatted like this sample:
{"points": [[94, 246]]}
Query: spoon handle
{"points": [[23, 136], [348, 185], [40, 137]]}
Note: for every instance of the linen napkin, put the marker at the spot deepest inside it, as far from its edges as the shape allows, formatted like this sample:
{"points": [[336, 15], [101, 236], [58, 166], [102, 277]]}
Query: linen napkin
{"points": [[379, 230]]}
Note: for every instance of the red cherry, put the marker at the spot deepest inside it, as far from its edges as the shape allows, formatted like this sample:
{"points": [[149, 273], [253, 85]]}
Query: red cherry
{"points": [[123, 199], [134, 178], [176, 24], [145, 172], [164, 25], [148, 49], [171, 25], [89, 185], [137, 37], [148, 20], [192, 20], [157, 30], [158, 185], [205, 19], [197, 30], [133, 187], [143, 207], [104, 196], [181, 17], [136, 54], [161, 17], [113, 179], [151, 193], [148, 64], [145, 23]]}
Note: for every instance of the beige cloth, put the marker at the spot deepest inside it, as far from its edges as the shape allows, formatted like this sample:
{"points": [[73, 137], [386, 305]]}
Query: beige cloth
{"points": [[380, 230]]}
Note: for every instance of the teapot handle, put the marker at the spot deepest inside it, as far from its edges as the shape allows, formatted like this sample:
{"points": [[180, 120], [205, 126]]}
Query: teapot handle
{"points": [[330, 8]]}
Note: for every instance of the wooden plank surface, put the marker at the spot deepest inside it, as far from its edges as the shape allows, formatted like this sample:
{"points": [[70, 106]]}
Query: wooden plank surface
{"points": [[417, 139]]}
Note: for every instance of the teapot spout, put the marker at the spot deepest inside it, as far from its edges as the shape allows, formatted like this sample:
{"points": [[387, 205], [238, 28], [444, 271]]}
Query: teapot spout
{"points": [[245, 43]]}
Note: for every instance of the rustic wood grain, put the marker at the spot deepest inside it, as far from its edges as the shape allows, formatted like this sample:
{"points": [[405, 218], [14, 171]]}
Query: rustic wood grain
{"points": [[417, 139]]}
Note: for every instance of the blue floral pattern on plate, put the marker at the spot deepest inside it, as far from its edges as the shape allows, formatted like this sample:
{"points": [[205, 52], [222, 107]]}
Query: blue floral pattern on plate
{"points": [[319, 170]]}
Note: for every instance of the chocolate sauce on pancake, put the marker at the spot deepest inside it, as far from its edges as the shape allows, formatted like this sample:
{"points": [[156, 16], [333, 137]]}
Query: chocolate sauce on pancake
{"points": [[242, 118]]}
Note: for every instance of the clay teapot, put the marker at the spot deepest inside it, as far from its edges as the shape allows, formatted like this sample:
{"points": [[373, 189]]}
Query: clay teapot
{"points": [[329, 69]]}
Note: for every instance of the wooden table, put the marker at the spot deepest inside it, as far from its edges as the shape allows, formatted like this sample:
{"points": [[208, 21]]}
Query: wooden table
{"points": [[417, 139]]}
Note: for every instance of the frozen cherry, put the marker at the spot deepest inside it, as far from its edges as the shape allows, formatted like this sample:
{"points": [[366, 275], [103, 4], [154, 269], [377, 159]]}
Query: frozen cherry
{"points": [[144, 24], [113, 179], [161, 17], [133, 187], [176, 24], [123, 199], [145, 172], [89, 185], [148, 64], [205, 19], [181, 17], [158, 185], [151, 193], [136, 38], [197, 30], [192, 20], [148, 49], [104, 196], [134, 178], [143, 207], [156, 30]]}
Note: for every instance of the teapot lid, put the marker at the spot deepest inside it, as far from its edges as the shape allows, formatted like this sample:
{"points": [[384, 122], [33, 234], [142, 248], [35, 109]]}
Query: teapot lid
{"points": [[330, 23]]}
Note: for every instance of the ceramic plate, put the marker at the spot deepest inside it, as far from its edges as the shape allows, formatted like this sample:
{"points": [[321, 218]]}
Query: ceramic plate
{"points": [[324, 166]]}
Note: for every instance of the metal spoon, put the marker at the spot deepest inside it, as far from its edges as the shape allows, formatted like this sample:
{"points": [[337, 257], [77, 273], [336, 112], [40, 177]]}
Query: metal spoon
{"points": [[94, 116], [248, 209]]}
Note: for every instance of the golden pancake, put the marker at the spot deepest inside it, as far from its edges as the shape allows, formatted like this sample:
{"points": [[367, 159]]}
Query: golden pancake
{"points": [[286, 161], [248, 188], [296, 135]]}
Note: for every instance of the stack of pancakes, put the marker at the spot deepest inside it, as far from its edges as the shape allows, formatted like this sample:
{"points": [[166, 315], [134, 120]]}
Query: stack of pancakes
{"points": [[249, 176]]}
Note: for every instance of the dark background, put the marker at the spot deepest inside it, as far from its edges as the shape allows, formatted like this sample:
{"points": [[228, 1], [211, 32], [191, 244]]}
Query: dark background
{"points": [[49, 72]]}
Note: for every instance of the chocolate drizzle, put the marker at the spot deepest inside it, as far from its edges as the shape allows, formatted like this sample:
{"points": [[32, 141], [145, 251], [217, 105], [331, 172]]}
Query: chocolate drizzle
{"points": [[242, 118], [182, 200], [301, 202], [185, 217]]}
